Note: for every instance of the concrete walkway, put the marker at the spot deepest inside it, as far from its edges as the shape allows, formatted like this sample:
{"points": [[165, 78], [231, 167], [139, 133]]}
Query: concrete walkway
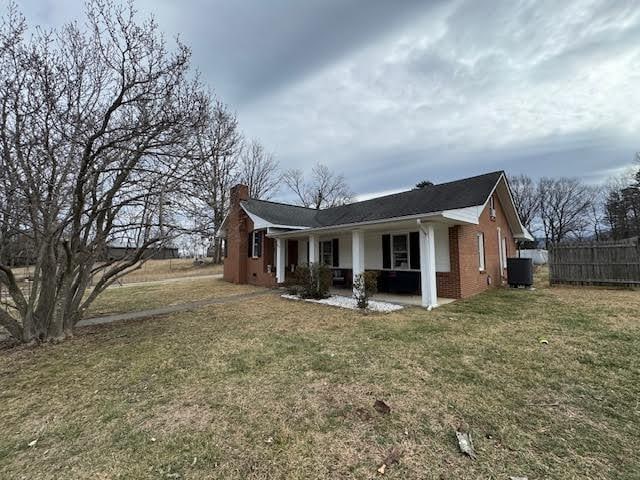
{"points": [[182, 307]]}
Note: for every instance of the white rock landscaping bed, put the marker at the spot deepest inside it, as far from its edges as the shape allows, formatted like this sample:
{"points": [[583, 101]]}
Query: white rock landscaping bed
{"points": [[348, 302]]}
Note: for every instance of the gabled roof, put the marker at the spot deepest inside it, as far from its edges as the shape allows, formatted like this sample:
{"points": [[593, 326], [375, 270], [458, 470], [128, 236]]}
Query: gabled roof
{"points": [[281, 213], [458, 194]]}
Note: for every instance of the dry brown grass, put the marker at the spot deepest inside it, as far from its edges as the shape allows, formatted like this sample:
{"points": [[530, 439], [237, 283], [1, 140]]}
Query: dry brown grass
{"points": [[154, 270], [131, 298], [280, 389], [151, 270]]}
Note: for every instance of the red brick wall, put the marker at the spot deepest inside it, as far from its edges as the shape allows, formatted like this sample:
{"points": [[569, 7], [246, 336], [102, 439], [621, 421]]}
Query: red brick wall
{"points": [[238, 267], [472, 280], [448, 283], [238, 227], [257, 273]]}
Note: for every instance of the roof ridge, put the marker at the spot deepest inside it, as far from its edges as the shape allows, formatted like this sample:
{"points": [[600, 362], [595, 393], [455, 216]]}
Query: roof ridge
{"points": [[501, 172], [413, 189]]}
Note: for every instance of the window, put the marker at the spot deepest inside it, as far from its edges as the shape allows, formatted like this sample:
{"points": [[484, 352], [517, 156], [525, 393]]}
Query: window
{"points": [[400, 251], [326, 252], [256, 243], [504, 252], [481, 264], [492, 208]]}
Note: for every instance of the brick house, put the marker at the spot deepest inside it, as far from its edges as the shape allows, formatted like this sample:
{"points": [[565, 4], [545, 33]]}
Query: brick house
{"points": [[449, 240]]}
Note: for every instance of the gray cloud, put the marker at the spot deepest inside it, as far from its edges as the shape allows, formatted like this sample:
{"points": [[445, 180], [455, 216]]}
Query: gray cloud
{"points": [[393, 92]]}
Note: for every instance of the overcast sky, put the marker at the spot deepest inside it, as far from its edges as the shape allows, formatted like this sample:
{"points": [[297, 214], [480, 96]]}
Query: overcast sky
{"points": [[392, 92]]}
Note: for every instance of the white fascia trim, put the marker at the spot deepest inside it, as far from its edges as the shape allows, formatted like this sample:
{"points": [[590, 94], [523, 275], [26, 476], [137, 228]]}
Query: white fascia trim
{"points": [[454, 215], [525, 233], [469, 215], [222, 230]]}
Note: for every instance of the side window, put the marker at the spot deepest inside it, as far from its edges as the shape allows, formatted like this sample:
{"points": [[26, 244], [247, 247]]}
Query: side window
{"points": [[256, 250], [400, 251], [326, 252], [481, 263], [504, 252]]}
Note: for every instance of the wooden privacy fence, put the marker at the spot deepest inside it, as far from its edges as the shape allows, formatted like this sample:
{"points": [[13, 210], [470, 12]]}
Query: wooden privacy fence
{"points": [[614, 262]]}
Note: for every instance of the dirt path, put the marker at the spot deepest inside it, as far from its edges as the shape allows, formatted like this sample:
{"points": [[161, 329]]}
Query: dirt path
{"points": [[183, 307]]}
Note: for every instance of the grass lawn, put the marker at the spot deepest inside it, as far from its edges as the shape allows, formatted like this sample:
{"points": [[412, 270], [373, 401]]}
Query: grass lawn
{"points": [[129, 298], [153, 270], [269, 388]]}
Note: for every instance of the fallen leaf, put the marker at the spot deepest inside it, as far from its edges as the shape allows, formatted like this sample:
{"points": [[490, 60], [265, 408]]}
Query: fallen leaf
{"points": [[382, 469], [33, 443], [465, 444], [518, 478], [382, 407]]}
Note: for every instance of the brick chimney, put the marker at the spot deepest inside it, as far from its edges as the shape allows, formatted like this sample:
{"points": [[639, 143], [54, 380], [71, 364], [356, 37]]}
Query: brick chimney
{"points": [[235, 265], [238, 193]]}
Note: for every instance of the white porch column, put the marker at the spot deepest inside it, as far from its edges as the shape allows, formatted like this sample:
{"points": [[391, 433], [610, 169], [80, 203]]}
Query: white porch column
{"points": [[428, 265], [280, 257], [357, 252], [314, 252]]}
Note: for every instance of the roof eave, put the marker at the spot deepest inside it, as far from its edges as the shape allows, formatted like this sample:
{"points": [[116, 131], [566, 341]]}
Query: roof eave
{"points": [[445, 216]]}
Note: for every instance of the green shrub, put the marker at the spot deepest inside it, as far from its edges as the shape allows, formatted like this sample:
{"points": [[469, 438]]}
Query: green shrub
{"points": [[313, 280], [364, 286], [292, 287]]}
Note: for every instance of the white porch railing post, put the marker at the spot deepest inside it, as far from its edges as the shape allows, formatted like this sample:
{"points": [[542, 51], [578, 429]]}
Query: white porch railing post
{"points": [[357, 252], [428, 265], [280, 254], [313, 249]]}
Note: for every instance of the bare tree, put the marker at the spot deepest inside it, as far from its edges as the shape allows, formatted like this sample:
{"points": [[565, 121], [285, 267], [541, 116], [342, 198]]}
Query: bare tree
{"points": [[564, 208], [596, 213], [622, 204], [525, 196], [216, 169], [324, 189], [95, 127], [259, 171]]}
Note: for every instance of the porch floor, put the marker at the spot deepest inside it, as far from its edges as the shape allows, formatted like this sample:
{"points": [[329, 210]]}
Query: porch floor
{"points": [[398, 298]]}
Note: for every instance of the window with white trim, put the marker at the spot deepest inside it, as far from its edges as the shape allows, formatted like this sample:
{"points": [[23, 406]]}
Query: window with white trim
{"points": [[400, 251], [256, 242], [504, 252], [326, 252], [492, 208], [481, 260]]}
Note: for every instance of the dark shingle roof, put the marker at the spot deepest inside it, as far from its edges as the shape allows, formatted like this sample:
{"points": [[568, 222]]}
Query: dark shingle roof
{"points": [[282, 213], [435, 198]]}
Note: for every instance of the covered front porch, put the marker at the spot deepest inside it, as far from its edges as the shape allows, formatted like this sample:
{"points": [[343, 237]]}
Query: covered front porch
{"points": [[412, 258]]}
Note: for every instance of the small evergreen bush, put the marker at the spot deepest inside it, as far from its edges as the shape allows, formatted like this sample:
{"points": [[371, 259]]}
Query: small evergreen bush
{"points": [[364, 286], [313, 280]]}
